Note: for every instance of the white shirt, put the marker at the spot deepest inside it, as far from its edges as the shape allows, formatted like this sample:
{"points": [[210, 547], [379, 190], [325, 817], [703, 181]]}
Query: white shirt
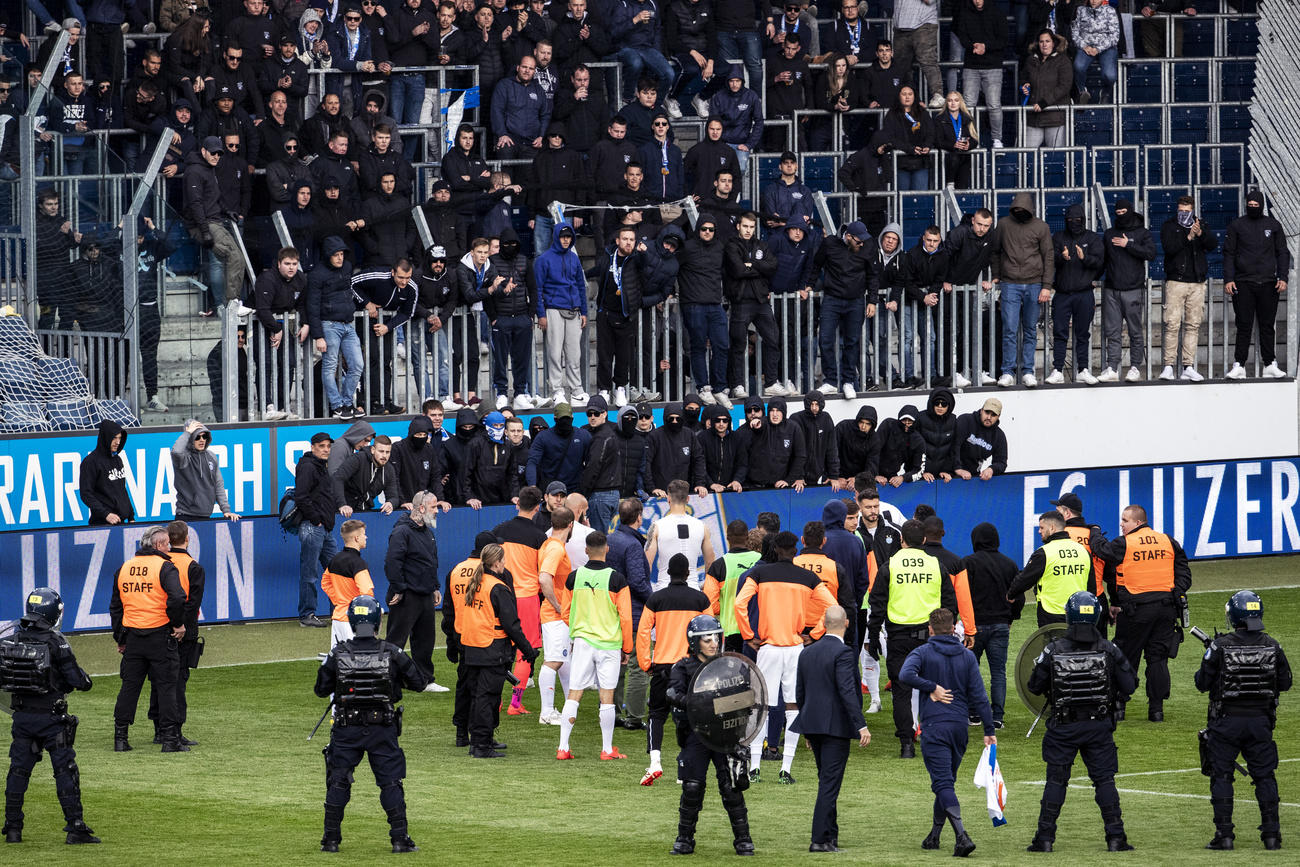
{"points": [[679, 534]]}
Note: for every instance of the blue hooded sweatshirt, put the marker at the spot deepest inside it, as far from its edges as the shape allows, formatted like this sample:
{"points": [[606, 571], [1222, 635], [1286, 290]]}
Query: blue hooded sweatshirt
{"points": [[560, 281], [849, 554], [945, 661]]}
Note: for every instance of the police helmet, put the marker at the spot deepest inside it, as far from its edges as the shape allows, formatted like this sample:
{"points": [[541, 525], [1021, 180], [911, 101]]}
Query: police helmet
{"points": [[701, 626], [1083, 607], [45, 606], [363, 614], [1245, 611]]}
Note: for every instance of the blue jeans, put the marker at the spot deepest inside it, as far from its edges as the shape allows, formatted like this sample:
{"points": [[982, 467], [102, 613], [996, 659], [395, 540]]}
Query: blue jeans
{"points": [[71, 7], [1109, 60], [689, 83], [846, 316], [994, 639], [917, 322], [511, 347], [917, 179], [743, 44], [405, 101], [602, 509], [707, 324], [543, 227], [317, 550], [340, 336], [437, 374], [634, 60], [1019, 311]]}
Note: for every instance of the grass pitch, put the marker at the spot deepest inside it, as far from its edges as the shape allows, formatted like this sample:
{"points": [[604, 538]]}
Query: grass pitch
{"points": [[254, 786]]}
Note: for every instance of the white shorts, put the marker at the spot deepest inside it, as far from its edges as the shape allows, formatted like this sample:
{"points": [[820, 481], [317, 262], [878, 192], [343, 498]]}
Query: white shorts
{"points": [[592, 667], [780, 669], [340, 630], [555, 641]]}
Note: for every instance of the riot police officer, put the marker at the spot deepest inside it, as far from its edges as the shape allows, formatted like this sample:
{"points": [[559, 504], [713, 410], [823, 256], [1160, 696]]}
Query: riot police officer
{"points": [[366, 676], [1151, 577], [1243, 672], [38, 668], [703, 642], [1083, 676]]}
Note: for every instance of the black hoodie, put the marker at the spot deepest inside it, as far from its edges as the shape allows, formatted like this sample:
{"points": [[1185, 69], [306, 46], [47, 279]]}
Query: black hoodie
{"points": [[1126, 266], [724, 459], [673, 454], [1076, 274], [699, 276], [902, 452], [989, 574], [938, 432], [775, 452], [976, 444], [822, 454], [419, 467], [859, 452], [102, 481], [456, 450]]}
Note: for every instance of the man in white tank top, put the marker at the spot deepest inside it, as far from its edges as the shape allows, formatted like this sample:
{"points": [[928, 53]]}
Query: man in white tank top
{"points": [[678, 532], [576, 546]]}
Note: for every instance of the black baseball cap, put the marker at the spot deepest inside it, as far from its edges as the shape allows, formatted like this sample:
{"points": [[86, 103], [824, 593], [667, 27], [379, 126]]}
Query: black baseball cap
{"points": [[322, 437], [1070, 501]]}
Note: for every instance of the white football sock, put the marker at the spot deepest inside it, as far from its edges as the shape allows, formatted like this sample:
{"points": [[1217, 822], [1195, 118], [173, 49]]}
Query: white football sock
{"points": [[564, 675], [916, 709], [871, 677], [570, 715], [607, 728], [755, 753], [546, 685], [655, 763], [791, 741]]}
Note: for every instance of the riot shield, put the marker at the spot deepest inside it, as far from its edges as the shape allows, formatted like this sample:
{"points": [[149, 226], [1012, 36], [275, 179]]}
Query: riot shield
{"points": [[1025, 659], [726, 702]]}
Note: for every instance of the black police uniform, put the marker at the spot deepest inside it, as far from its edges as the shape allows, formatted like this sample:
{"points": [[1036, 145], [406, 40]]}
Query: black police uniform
{"points": [[1243, 671], [39, 669], [366, 676], [693, 766], [1084, 676]]}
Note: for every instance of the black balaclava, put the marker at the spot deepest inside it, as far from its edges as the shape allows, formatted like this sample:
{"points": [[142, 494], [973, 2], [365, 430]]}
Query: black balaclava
{"points": [[564, 425], [1020, 215], [1254, 204], [1130, 220], [627, 423], [1074, 220]]}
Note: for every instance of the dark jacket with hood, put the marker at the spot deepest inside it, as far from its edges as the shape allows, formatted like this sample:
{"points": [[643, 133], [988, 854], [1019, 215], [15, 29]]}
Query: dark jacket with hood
{"points": [[924, 272], [411, 561], [558, 274], [491, 470], [609, 160], [794, 260], [703, 161], [604, 467], [1185, 255], [902, 452], [661, 265], [848, 553], [273, 295], [359, 479], [456, 450], [822, 455], [989, 574], [724, 459], [845, 274], [699, 275], [945, 660], [673, 454], [558, 174], [512, 264], [776, 452], [748, 267], [1077, 274], [977, 443], [198, 480], [627, 302], [859, 452], [1126, 266], [634, 448], [330, 296], [558, 454], [420, 467], [1050, 79], [343, 447], [968, 253], [1022, 246], [1255, 249], [939, 434], [102, 480], [314, 492]]}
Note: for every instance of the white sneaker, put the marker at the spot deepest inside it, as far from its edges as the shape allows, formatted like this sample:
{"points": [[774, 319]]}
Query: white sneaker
{"points": [[53, 27], [776, 389], [156, 404], [1167, 374], [1085, 376], [1028, 381], [1273, 372], [959, 381], [450, 405], [1006, 380], [1055, 377], [850, 393], [150, 28], [874, 707], [674, 110], [997, 144], [242, 311], [523, 402], [937, 101], [701, 107], [620, 397], [401, 350], [827, 389], [436, 687], [542, 400], [706, 395], [1108, 375], [987, 378], [790, 388], [558, 397], [549, 717], [580, 398], [722, 399], [1237, 372], [273, 414], [1190, 374], [1133, 375], [739, 392], [604, 393], [502, 401]]}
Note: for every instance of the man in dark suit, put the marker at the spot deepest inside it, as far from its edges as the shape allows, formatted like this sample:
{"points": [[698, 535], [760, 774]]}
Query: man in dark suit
{"points": [[830, 715]]}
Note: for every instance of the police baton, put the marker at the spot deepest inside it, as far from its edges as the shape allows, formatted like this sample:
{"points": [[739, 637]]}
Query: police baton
{"points": [[319, 722], [1031, 727]]}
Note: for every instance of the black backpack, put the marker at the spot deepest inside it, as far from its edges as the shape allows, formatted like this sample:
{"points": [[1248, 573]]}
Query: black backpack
{"points": [[290, 516]]}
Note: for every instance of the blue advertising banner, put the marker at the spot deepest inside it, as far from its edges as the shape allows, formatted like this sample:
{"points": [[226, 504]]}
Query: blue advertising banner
{"points": [[1231, 509]]}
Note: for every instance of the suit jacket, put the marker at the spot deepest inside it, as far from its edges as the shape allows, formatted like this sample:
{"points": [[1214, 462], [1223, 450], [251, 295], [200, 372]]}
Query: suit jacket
{"points": [[830, 702]]}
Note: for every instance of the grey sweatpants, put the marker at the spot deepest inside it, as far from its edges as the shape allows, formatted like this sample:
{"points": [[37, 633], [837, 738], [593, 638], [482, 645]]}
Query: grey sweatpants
{"points": [[1118, 310], [563, 350]]}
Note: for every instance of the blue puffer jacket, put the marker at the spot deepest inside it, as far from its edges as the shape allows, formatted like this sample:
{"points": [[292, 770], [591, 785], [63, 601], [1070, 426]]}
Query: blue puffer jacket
{"points": [[560, 281], [661, 266], [945, 661], [741, 112]]}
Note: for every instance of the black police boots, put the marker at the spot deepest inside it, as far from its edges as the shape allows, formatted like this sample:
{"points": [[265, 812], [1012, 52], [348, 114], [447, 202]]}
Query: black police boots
{"points": [[157, 732], [333, 827], [1223, 836], [13, 829], [171, 740], [907, 749], [1116, 839], [1222, 842], [404, 844], [1045, 836], [734, 803], [79, 832], [688, 812], [1156, 713], [964, 845], [931, 840], [1270, 832], [120, 743]]}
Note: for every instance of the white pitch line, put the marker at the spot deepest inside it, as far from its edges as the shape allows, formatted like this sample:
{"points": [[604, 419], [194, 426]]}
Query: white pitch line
{"points": [[1151, 773], [233, 664], [1159, 794], [1273, 587]]}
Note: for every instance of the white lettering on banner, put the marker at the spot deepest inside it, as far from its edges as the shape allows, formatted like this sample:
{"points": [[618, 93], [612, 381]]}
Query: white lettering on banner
{"points": [[1204, 547], [1282, 506], [34, 492], [7, 488], [1124, 500], [244, 476], [85, 618], [66, 487], [1180, 523], [1158, 499], [293, 450], [230, 570], [131, 536], [164, 486], [1247, 507], [135, 481], [1030, 522], [27, 545], [28, 555], [195, 551]]}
